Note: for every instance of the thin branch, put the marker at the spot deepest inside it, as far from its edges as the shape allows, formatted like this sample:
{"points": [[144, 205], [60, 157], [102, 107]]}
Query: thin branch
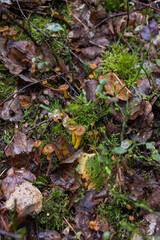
{"points": [[33, 83], [46, 34], [147, 5]]}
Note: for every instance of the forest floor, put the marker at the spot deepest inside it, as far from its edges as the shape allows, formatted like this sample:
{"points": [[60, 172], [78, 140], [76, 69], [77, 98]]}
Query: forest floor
{"points": [[79, 119]]}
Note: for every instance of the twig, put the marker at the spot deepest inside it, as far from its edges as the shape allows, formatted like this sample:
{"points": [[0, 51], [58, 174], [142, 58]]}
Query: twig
{"points": [[49, 165], [110, 17], [146, 5], [37, 125], [46, 34], [33, 83], [76, 16], [127, 13], [4, 10], [71, 227], [11, 235]]}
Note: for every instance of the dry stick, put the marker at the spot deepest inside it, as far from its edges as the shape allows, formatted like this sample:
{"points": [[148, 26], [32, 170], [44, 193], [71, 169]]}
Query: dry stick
{"points": [[29, 85], [11, 235], [120, 14], [146, 5], [75, 16], [70, 226], [46, 34], [127, 13], [4, 10]]}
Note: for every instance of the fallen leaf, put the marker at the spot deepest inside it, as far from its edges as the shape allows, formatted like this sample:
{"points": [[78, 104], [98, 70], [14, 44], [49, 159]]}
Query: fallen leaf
{"points": [[13, 179], [117, 85], [25, 195], [63, 149], [25, 101], [19, 145], [12, 111], [83, 171]]}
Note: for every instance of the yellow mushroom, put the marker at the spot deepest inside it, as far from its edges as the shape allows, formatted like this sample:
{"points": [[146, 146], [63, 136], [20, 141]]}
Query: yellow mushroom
{"points": [[37, 143], [93, 67], [80, 130], [72, 128], [64, 88]]}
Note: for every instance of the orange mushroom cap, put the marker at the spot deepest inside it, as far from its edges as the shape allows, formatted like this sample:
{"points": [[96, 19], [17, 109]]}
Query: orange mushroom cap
{"points": [[63, 87], [37, 143], [93, 66], [48, 148], [80, 130]]}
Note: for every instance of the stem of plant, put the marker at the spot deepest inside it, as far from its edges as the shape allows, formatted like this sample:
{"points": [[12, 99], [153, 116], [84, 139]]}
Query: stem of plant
{"points": [[70, 58]]}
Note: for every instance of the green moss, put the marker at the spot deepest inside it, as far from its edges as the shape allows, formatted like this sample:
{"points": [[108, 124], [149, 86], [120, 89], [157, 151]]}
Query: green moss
{"points": [[117, 214], [53, 210], [114, 5], [7, 83], [121, 63], [84, 111]]}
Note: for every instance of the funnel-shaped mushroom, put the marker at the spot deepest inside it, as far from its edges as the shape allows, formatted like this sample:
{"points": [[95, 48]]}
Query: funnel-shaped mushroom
{"points": [[80, 130], [64, 88], [93, 67], [72, 128]]}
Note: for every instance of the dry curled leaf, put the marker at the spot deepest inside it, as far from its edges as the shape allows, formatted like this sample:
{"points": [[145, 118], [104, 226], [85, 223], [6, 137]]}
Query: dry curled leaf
{"points": [[116, 85]]}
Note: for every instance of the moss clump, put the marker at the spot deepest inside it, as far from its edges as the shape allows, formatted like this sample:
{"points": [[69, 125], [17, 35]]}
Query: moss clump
{"points": [[53, 210], [84, 111], [7, 83], [113, 5], [121, 63]]}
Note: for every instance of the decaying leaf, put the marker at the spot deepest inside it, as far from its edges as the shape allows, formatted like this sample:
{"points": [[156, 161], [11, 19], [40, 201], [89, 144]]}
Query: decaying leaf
{"points": [[82, 169], [90, 88], [26, 195], [14, 178], [25, 101], [12, 111], [62, 149], [19, 145], [117, 87]]}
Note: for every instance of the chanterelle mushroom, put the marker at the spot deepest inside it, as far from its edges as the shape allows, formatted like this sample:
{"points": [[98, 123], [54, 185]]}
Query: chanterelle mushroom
{"points": [[80, 130]]}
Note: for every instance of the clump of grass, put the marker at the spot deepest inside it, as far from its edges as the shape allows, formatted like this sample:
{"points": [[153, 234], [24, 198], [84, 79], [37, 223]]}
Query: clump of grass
{"points": [[121, 63]]}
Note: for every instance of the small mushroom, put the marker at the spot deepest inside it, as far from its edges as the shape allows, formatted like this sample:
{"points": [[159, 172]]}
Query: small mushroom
{"points": [[37, 143], [90, 135], [49, 150], [69, 120], [80, 130], [13, 34], [72, 128], [91, 76], [95, 134], [93, 67], [64, 88]]}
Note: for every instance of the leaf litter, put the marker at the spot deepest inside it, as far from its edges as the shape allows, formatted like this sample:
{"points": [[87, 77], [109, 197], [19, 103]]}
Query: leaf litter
{"points": [[108, 188]]}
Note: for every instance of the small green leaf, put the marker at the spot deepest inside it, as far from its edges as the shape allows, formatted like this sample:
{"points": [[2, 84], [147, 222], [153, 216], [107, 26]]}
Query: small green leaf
{"points": [[126, 143], [156, 156], [33, 60], [106, 235], [55, 27], [150, 145], [119, 150], [158, 62], [39, 65]]}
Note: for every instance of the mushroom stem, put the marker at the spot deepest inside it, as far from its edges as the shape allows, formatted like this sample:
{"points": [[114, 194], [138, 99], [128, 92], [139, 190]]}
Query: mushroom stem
{"points": [[73, 137], [65, 94], [77, 142]]}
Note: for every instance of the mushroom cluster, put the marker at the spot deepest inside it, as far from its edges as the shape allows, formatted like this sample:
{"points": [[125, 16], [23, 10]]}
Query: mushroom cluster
{"points": [[8, 32], [77, 132]]}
